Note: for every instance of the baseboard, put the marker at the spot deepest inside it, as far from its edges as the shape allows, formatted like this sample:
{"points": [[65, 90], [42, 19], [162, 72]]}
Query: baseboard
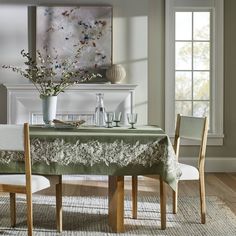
{"points": [[84, 177], [71, 178], [213, 164]]}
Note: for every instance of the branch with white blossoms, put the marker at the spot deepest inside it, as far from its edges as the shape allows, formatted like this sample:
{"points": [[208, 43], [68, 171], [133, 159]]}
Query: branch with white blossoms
{"points": [[51, 76]]}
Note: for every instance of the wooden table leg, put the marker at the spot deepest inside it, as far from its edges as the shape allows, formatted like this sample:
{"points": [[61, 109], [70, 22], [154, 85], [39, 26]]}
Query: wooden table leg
{"points": [[59, 204], [163, 203], [13, 209], [134, 196], [116, 203]]}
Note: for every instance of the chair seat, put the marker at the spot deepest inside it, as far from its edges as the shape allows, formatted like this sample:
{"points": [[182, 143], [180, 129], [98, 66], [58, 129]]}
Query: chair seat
{"points": [[38, 182], [188, 172]]}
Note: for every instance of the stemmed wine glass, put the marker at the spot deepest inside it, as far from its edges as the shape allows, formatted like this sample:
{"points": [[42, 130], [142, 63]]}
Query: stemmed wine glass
{"points": [[109, 119], [117, 118], [132, 119]]}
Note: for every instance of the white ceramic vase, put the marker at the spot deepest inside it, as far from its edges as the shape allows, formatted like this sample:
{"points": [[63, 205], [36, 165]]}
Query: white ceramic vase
{"points": [[116, 73], [49, 109]]}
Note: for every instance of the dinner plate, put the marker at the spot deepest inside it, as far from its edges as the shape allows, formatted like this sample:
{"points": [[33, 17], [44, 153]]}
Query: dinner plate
{"points": [[64, 126]]}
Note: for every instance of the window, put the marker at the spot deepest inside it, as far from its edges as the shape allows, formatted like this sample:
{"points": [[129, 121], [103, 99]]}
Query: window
{"points": [[194, 63]]}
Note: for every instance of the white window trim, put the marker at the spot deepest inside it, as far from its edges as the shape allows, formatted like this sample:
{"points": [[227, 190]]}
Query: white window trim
{"points": [[217, 7]]}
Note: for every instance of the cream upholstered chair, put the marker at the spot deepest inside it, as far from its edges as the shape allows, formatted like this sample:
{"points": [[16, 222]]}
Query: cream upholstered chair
{"points": [[16, 138], [193, 128]]}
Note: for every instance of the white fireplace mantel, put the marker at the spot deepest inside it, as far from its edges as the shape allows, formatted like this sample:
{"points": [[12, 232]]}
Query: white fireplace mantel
{"points": [[23, 101]]}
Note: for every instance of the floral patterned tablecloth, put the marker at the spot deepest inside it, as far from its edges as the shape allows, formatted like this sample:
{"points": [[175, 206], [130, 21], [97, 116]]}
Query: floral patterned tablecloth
{"points": [[90, 150]]}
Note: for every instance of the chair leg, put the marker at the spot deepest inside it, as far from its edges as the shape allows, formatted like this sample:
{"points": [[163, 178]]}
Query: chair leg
{"points": [[134, 196], [202, 199], [13, 209], [29, 213], [59, 204], [175, 200], [163, 203]]}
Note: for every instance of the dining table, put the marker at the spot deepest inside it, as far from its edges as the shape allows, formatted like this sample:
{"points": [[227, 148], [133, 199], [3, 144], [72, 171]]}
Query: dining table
{"points": [[89, 150]]}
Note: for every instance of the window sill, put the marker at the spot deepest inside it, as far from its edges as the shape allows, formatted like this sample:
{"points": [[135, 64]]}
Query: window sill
{"points": [[212, 140]]}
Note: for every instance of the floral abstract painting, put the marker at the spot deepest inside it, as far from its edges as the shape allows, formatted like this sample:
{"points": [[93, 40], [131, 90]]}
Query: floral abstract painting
{"points": [[82, 33]]}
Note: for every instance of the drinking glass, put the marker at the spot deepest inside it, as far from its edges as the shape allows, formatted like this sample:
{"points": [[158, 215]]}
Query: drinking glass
{"points": [[109, 119], [132, 119], [117, 118]]}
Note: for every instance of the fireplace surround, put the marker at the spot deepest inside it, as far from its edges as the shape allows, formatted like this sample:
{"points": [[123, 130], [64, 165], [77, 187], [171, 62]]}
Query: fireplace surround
{"points": [[77, 102]]}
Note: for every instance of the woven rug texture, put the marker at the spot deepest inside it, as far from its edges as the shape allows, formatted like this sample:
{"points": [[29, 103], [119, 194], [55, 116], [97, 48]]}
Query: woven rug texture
{"points": [[89, 216]]}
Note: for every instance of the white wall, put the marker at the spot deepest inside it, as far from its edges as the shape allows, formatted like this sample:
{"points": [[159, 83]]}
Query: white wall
{"points": [[156, 62], [130, 45]]}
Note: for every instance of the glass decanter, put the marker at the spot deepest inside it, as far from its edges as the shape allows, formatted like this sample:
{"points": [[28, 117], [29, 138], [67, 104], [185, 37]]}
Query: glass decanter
{"points": [[100, 111]]}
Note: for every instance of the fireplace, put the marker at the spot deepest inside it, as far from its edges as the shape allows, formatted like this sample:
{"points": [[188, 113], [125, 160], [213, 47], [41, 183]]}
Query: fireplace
{"points": [[78, 102]]}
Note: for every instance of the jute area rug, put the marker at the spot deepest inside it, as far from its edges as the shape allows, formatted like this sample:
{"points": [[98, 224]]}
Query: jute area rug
{"points": [[88, 216]]}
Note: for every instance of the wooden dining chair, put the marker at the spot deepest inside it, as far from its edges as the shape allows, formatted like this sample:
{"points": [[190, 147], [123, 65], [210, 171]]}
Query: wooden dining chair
{"points": [[193, 128], [16, 138]]}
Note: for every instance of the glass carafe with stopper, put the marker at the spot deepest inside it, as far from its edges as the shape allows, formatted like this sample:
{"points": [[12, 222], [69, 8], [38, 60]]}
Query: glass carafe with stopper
{"points": [[100, 111]]}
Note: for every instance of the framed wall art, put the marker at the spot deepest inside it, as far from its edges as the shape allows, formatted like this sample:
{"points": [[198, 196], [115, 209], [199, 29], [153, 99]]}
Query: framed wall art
{"points": [[81, 33]]}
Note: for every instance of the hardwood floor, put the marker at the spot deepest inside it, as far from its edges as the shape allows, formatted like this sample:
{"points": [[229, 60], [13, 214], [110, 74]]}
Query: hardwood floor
{"points": [[222, 185]]}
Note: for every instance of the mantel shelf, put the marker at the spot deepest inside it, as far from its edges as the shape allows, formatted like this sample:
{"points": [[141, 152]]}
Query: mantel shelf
{"points": [[77, 87]]}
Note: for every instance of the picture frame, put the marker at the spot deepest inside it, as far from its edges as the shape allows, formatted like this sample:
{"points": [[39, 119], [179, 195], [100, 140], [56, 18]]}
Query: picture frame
{"points": [[81, 32]]}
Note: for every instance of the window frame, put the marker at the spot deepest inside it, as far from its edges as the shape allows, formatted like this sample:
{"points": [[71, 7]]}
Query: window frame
{"points": [[216, 7]]}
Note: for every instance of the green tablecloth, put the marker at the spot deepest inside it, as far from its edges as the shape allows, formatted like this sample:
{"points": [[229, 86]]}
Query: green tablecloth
{"points": [[101, 151]]}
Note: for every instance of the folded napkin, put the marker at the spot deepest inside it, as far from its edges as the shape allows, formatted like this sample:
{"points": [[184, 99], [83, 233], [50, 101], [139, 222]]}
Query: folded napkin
{"points": [[69, 123]]}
